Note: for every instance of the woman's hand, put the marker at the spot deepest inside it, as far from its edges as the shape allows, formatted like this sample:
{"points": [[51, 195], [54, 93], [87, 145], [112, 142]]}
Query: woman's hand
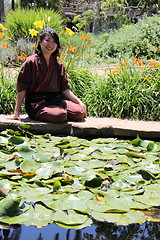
{"points": [[15, 116], [83, 106], [71, 96], [19, 100]]}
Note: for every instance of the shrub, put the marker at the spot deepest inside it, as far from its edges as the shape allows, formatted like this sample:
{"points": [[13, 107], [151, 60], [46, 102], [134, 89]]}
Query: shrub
{"points": [[127, 92], [13, 55], [77, 50], [19, 22], [7, 94], [80, 81], [141, 39]]}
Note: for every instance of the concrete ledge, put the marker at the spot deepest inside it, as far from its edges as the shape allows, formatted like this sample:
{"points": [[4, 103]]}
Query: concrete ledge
{"points": [[89, 128]]}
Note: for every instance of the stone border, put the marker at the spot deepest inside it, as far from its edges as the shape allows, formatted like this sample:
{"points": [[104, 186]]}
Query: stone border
{"points": [[91, 127]]}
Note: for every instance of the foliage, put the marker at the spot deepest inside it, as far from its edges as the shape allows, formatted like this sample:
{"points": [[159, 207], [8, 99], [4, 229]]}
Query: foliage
{"points": [[15, 55], [19, 22], [130, 91], [7, 94], [82, 21], [69, 180], [80, 80], [142, 39], [77, 49], [49, 4]]}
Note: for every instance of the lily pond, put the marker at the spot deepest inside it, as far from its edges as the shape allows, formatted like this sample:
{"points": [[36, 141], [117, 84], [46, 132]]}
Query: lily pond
{"points": [[78, 188]]}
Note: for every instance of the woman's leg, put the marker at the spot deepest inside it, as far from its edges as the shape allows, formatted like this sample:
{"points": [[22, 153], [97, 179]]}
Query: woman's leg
{"points": [[75, 112], [65, 110], [55, 114]]}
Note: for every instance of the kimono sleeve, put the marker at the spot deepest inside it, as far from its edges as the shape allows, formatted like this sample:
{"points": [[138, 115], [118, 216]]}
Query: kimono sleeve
{"points": [[64, 79], [24, 77]]}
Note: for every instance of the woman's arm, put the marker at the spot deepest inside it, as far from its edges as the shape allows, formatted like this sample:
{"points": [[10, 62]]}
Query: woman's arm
{"points": [[71, 96], [19, 100]]}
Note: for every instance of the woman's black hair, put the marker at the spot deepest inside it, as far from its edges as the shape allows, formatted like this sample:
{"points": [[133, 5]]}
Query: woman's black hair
{"points": [[54, 34]]}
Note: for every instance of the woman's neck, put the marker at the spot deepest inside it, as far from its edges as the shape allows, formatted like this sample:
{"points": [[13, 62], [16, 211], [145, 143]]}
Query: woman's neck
{"points": [[47, 58]]}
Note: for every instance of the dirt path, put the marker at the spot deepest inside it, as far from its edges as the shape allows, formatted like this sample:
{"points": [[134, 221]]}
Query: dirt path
{"points": [[104, 70]]}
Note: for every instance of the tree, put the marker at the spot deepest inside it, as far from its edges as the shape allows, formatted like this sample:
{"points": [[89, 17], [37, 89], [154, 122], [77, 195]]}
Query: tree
{"points": [[50, 4], [96, 9], [1, 10], [12, 5]]}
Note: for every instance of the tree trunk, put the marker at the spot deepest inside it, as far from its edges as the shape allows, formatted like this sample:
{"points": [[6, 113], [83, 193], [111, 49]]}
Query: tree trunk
{"points": [[1, 10], [159, 5], [96, 9], [13, 7]]}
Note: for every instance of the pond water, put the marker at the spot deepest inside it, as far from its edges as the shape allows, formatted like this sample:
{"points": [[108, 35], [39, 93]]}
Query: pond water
{"points": [[107, 157], [98, 231]]}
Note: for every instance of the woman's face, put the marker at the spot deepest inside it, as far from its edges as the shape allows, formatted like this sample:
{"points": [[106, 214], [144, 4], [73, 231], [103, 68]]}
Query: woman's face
{"points": [[48, 45]]}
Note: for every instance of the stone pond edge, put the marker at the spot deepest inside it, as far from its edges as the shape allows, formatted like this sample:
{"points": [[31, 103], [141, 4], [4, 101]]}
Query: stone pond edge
{"points": [[91, 127]]}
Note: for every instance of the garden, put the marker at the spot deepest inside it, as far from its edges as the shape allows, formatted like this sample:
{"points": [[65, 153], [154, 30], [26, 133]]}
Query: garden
{"points": [[87, 182]]}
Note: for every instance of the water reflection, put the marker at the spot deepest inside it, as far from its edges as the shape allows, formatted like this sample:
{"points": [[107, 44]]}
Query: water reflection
{"points": [[99, 231]]}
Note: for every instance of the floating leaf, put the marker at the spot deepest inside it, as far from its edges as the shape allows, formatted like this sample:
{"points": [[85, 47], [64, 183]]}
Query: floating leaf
{"points": [[9, 207], [95, 182], [70, 218], [16, 140], [57, 185], [136, 142], [29, 165], [40, 216], [134, 155], [154, 147], [24, 126], [3, 140], [70, 180], [121, 219], [153, 219]]}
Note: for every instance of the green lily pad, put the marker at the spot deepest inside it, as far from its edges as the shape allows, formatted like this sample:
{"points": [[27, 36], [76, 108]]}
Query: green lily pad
{"points": [[16, 140], [70, 218], [9, 207], [122, 218], [94, 182]]}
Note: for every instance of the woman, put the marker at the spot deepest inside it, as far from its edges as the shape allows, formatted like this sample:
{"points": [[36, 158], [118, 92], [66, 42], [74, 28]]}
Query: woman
{"points": [[43, 83]]}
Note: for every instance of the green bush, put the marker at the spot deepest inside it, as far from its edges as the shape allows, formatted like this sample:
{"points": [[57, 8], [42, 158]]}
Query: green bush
{"points": [[7, 94], [131, 93], [14, 55], [80, 81], [19, 22], [140, 39]]}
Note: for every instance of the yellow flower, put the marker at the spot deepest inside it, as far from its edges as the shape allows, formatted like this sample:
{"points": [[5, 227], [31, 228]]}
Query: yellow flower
{"points": [[38, 24], [2, 27], [69, 31], [33, 32], [2, 35]]}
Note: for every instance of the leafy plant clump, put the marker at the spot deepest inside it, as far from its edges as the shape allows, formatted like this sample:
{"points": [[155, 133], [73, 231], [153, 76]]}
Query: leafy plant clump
{"points": [[128, 91], [131, 90], [19, 22], [140, 39], [70, 181]]}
